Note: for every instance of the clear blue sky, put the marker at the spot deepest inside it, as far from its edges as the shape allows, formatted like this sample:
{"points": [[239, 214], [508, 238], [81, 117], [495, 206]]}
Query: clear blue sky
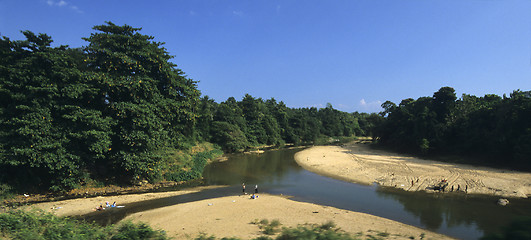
{"points": [[354, 54]]}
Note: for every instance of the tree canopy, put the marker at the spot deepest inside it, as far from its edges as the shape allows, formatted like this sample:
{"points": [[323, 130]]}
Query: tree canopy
{"points": [[108, 109], [492, 129], [118, 109]]}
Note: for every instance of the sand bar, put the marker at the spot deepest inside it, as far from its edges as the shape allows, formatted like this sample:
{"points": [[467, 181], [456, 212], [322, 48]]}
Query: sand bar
{"points": [[360, 163], [232, 216]]}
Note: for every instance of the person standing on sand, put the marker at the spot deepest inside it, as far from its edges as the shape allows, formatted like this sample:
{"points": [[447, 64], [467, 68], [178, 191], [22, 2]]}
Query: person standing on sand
{"points": [[256, 188], [243, 188]]}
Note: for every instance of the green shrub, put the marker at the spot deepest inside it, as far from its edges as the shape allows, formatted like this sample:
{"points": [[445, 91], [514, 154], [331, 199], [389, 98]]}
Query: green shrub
{"points": [[195, 170], [320, 232], [43, 226], [141, 231]]}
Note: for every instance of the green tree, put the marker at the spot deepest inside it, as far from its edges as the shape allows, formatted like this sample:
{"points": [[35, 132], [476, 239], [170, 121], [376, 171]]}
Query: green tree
{"points": [[149, 98], [49, 134], [229, 137], [206, 110]]}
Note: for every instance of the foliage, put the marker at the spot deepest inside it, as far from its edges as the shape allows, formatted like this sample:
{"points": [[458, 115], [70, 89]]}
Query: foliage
{"points": [[318, 232], [268, 228], [41, 225], [141, 231], [238, 125], [491, 128], [198, 162], [106, 110], [326, 231], [5, 191]]}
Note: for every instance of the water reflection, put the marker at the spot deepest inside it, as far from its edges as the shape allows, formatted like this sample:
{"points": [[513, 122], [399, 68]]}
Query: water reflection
{"points": [[271, 166], [458, 215], [453, 212]]}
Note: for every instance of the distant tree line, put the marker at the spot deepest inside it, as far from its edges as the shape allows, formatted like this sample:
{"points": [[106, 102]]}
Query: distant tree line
{"points": [[118, 110], [238, 125], [490, 130]]}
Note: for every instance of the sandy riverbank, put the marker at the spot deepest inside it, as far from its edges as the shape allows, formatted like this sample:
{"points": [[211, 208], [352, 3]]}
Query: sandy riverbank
{"points": [[362, 164], [232, 216]]}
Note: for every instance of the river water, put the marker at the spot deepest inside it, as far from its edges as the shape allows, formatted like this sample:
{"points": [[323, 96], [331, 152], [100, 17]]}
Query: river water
{"points": [[276, 172], [457, 215]]}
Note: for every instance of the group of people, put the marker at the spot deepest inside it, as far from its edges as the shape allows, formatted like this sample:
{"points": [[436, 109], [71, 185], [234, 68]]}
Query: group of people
{"points": [[459, 188], [101, 208], [255, 194]]}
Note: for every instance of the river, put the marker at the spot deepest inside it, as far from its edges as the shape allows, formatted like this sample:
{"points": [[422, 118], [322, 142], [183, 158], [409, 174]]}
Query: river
{"points": [[276, 172], [457, 215]]}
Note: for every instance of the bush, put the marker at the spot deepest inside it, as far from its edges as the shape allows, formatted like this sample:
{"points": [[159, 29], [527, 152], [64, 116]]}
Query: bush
{"points": [[141, 231], [195, 170], [321, 232], [40, 225], [5, 191]]}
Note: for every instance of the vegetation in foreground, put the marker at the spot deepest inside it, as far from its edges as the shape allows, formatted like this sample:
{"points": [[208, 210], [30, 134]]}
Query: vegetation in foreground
{"points": [[37, 225]]}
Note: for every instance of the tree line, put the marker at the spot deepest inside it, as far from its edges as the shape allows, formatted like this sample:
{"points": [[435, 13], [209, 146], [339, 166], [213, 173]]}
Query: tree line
{"points": [[118, 110], [237, 125], [488, 130]]}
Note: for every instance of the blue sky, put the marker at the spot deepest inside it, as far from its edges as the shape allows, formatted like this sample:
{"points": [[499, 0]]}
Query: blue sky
{"points": [[354, 54]]}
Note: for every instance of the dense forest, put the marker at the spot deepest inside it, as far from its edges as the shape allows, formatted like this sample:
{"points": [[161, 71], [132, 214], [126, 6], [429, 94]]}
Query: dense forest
{"points": [[118, 110], [488, 130]]}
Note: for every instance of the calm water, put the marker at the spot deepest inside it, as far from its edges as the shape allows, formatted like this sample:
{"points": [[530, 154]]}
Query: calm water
{"points": [[457, 215]]}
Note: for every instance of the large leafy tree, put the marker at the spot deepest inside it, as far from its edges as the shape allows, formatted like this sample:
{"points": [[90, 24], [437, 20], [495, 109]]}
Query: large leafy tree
{"points": [[49, 134], [113, 108], [150, 99]]}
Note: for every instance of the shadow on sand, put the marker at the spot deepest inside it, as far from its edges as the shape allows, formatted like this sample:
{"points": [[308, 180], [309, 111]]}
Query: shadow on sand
{"points": [[114, 215]]}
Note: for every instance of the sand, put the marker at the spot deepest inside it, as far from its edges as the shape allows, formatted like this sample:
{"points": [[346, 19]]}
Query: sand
{"points": [[359, 163], [233, 216], [81, 206]]}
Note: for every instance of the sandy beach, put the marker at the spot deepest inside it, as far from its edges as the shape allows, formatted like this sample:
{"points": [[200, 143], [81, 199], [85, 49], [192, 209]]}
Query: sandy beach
{"points": [[359, 163], [233, 215]]}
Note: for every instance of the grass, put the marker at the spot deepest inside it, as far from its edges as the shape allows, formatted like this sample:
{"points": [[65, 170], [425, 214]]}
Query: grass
{"points": [[268, 228], [325, 231]]}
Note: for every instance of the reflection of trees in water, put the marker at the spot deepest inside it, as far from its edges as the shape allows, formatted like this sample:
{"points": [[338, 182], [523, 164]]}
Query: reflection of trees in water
{"points": [[253, 168], [435, 209]]}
